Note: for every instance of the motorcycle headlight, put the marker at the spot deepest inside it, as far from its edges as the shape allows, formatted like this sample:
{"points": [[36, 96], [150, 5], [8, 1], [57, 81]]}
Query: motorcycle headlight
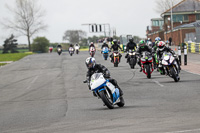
{"points": [[130, 53], [142, 59], [115, 54], [164, 62], [150, 58], [134, 53]]}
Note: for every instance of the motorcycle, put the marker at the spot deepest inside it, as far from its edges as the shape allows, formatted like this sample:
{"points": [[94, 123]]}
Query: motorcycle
{"points": [[105, 52], [77, 49], [71, 51], [59, 50], [92, 51], [171, 66], [132, 58], [116, 58], [147, 63], [105, 90]]}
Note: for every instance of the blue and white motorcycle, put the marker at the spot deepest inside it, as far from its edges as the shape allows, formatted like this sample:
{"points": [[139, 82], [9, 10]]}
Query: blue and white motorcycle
{"points": [[105, 52], [105, 90]]}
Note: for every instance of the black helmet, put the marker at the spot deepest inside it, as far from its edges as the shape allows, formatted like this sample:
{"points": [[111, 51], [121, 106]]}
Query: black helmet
{"points": [[131, 40], [115, 41]]}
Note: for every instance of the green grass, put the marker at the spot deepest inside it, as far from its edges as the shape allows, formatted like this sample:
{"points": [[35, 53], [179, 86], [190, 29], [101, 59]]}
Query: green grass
{"points": [[14, 56], [19, 50], [2, 64]]}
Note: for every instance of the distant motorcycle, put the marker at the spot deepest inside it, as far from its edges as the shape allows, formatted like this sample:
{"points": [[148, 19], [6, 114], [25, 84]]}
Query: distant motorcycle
{"points": [[132, 58], [59, 50], [147, 63], [105, 52], [171, 66], [92, 51], [105, 90], [116, 58], [71, 51], [77, 49]]}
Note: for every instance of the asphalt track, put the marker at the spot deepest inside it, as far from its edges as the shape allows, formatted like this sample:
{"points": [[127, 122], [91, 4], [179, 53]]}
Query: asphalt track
{"points": [[44, 93]]}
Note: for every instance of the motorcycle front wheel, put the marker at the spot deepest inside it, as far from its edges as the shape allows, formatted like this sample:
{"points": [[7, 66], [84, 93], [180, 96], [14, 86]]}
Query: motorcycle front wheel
{"points": [[106, 100], [174, 74], [148, 71], [116, 63]]}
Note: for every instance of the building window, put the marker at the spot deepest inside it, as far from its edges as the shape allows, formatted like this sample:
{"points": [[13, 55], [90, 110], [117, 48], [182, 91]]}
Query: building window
{"points": [[185, 18], [156, 23], [180, 18], [198, 17]]}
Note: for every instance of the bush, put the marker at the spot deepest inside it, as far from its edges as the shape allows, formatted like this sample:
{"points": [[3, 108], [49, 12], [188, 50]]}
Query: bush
{"points": [[40, 44]]}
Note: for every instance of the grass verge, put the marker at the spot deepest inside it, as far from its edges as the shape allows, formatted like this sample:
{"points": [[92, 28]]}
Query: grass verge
{"points": [[13, 56]]}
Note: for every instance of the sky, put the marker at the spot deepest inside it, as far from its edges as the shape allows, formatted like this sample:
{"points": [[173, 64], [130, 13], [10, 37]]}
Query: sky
{"points": [[126, 16]]}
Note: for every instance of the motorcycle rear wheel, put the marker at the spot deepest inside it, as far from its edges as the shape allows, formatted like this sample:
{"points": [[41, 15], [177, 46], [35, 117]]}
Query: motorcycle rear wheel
{"points": [[174, 74], [121, 103]]}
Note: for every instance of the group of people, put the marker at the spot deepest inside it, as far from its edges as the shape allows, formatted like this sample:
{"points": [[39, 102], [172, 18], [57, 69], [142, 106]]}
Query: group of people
{"points": [[158, 47], [70, 46]]}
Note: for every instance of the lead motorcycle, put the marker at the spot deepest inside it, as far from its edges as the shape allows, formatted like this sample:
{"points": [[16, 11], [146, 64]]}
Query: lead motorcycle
{"points": [[105, 90], [171, 66], [132, 58], [147, 63]]}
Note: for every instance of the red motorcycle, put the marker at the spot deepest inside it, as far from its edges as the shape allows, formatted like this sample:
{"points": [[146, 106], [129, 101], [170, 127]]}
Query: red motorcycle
{"points": [[116, 58], [147, 63], [92, 51]]}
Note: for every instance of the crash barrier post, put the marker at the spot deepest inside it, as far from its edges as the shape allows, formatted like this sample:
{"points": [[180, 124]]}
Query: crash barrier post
{"points": [[185, 55], [179, 54]]}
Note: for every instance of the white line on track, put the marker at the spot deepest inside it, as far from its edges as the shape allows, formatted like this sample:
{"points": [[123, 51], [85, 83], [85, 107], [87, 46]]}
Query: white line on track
{"points": [[158, 83], [185, 131]]}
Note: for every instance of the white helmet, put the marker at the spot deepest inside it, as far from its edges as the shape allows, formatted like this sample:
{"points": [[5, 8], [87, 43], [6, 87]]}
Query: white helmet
{"points": [[90, 62]]}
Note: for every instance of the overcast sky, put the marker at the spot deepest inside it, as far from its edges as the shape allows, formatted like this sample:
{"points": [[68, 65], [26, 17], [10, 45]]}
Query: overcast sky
{"points": [[127, 16]]}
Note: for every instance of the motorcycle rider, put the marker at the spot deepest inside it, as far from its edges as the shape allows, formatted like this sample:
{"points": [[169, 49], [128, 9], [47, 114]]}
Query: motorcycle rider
{"points": [[131, 45], [161, 49], [115, 47], [98, 68], [142, 47], [91, 45], [104, 45], [71, 46], [76, 45], [59, 46]]}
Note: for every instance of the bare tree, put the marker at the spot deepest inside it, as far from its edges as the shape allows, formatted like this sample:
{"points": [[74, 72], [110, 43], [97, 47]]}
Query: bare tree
{"points": [[164, 5], [74, 36], [27, 18]]}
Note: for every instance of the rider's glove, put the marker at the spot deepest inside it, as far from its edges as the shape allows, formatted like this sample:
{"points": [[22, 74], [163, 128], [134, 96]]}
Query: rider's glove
{"points": [[107, 74]]}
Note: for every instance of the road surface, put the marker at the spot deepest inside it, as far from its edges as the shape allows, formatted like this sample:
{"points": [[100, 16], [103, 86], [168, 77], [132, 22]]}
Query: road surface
{"points": [[44, 93]]}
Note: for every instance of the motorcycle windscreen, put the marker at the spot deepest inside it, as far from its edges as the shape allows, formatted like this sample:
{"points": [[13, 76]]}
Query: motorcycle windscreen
{"points": [[96, 81]]}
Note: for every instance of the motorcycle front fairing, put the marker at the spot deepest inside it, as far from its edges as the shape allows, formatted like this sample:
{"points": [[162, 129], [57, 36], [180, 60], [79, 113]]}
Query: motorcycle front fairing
{"points": [[98, 83], [105, 50]]}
